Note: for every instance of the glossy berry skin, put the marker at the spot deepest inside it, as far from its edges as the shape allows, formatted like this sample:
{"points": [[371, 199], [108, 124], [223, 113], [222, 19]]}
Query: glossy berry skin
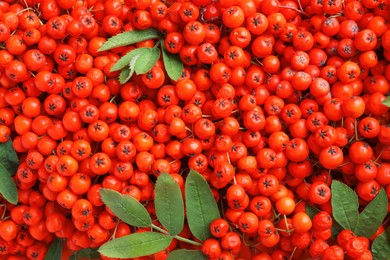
{"points": [[211, 248]]}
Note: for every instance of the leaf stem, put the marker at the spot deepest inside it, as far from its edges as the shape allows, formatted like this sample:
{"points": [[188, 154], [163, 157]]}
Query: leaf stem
{"points": [[160, 229], [157, 44], [189, 241]]}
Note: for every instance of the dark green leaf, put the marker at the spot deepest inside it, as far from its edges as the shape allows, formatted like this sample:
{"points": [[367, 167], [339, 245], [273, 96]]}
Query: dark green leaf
{"points": [[336, 229], [372, 216], [311, 211], [8, 157], [345, 205], [128, 72], [386, 102], [126, 208], [381, 246], [74, 256], [8, 166], [181, 254], [7, 186], [169, 204], [147, 60], [201, 206], [128, 38], [125, 60], [55, 250], [135, 245], [172, 63], [88, 253]]}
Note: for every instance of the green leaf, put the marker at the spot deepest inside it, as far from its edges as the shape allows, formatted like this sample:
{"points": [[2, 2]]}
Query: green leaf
{"points": [[172, 63], [147, 60], [55, 250], [88, 253], [386, 102], [345, 205], [336, 229], [127, 73], [125, 60], [127, 208], [201, 206], [7, 186], [181, 254], [381, 246], [311, 211], [128, 38], [136, 245], [169, 204], [9, 163], [8, 157], [125, 76], [372, 216]]}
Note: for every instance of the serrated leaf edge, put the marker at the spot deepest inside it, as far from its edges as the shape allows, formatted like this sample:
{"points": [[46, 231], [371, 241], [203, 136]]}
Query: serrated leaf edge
{"points": [[131, 68], [138, 72], [127, 38]]}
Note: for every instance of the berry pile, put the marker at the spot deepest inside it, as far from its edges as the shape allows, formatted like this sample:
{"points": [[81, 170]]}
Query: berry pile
{"points": [[276, 100]]}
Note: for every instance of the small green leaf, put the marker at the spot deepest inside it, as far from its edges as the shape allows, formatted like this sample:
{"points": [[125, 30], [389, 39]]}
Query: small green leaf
{"points": [[172, 63], [169, 204], [128, 72], [55, 250], [124, 76], [125, 60], [201, 206], [8, 157], [372, 216], [126, 208], [381, 246], [181, 254], [336, 229], [86, 253], [147, 60], [311, 211], [7, 186], [136, 245], [9, 163], [345, 205], [386, 102], [128, 38]]}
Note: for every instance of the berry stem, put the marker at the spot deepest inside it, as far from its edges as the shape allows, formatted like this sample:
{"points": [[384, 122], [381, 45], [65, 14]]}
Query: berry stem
{"points": [[356, 131], [293, 252]]}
